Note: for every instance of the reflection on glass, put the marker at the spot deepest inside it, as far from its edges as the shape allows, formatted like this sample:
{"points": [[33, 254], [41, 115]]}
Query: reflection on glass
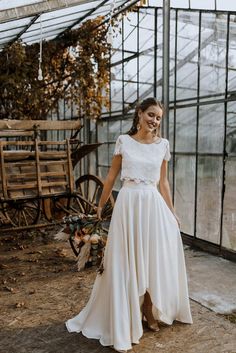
{"points": [[231, 129], [211, 128], [186, 119], [184, 192], [229, 215], [209, 198], [213, 53]]}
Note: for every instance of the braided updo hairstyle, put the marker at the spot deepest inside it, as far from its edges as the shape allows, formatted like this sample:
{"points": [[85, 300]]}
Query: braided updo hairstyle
{"points": [[144, 105]]}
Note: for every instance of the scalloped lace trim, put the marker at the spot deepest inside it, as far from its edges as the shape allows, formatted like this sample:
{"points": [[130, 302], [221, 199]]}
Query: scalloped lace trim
{"points": [[138, 181]]}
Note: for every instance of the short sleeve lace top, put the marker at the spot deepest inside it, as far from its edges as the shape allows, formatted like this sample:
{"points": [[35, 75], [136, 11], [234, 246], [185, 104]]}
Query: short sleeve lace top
{"points": [[141, 162]]}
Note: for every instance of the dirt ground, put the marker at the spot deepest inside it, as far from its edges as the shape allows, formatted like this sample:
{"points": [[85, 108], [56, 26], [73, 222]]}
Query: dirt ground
{"points": [[40, 289]]}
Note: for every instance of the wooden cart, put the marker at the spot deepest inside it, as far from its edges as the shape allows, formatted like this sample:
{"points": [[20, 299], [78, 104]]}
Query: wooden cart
{"points": [[37, 177]]}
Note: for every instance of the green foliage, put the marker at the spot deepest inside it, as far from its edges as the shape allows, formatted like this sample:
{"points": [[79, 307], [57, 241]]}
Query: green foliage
{"points": [[75, 68]]}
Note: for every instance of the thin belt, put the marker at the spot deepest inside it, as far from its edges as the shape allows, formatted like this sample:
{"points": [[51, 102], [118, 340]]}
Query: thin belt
{"points": [[139, 184]]}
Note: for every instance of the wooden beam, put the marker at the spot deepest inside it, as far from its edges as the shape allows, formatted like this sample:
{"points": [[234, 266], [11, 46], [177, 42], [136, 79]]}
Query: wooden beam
{"points": [[16, 13], [9, 125]]}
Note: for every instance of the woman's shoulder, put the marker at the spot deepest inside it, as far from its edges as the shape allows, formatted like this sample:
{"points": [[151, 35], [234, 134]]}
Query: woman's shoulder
{"points": [[122, 137], [165, 141]]}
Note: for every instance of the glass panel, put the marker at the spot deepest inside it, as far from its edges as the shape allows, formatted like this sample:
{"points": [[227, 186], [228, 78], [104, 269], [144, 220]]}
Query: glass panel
{"points": [[231, 129], [229, 215], [103, 155], [179, 3], [102, 131], [130, 93], [227, 5], [15, 24], [130, 33], [186, 122], [185, 192], [232, 55], [211, 128], [146, 30], [187, 59], [6, 4], [172, 53], [213, 53], [202, 4], [159, 48], [209, 198]]}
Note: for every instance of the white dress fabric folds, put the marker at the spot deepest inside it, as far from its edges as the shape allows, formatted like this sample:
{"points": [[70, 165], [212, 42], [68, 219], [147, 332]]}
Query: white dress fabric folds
{"points": [[144, 252]]}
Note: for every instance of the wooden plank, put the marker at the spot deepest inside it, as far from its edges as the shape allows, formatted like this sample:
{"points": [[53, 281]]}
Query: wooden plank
{"points": [[17, 155], [15, 133], [21, 186], [48, 143], [34, 185], [53, 174], [23, 163], [29, 163], [9, 124], [70, 168], [3, 173], [52, 155], [17, 143], [38, 167]]}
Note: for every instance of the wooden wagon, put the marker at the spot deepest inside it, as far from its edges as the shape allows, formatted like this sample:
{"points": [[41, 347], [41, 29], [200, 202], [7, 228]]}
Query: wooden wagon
{"points": [[37, 176]]}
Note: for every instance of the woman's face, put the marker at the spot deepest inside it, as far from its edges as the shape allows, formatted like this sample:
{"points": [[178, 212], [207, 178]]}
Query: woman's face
{"points": [[150, 119]]}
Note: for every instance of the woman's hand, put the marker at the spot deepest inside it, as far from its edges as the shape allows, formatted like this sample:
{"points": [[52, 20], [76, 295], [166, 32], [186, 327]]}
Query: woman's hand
{"points": [[99, 212]]}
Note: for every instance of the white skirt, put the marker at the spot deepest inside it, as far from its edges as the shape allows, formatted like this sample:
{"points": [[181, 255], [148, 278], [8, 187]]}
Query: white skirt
{"points": [[144, 252]]}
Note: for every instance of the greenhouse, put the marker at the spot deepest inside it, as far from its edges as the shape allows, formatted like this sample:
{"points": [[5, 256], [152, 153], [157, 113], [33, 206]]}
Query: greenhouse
{"points": [[72, 74]]}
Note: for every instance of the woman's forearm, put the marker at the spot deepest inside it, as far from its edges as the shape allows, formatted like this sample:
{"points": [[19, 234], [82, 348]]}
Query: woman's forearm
{"points": [[106, 192], [165, 192]]}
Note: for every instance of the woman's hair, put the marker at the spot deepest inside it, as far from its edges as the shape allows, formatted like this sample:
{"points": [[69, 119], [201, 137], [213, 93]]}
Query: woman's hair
{"points": [[144, 105]]}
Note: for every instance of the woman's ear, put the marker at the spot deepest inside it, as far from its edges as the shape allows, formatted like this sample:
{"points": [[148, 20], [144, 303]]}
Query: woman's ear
{"points": [[139, 113]]}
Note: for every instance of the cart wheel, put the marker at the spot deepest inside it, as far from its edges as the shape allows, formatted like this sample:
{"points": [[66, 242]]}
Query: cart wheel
{"points": [[55, 208], [89, 188], [22, 213]]}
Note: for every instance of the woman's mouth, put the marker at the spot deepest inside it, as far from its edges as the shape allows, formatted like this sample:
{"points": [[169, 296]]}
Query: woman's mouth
{"points": [[151, 126]]}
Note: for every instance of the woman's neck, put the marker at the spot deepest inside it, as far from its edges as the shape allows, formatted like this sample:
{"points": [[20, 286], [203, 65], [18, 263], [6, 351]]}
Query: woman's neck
{"points": [[145, 136]]}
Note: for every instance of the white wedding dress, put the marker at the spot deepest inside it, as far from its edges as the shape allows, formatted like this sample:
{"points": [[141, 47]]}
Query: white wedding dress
{"points": [[144, 252]]}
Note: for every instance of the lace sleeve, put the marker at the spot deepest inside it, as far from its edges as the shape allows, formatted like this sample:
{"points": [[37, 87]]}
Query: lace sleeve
{"points": [[167, 155], [118, 147]]}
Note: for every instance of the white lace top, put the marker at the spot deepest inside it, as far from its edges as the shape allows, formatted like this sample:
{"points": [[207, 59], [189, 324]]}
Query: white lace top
{"points": [[141, 162]]}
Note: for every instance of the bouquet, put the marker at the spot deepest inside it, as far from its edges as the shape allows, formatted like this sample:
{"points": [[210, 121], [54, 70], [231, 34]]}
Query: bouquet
{"points": [[87, 238]]}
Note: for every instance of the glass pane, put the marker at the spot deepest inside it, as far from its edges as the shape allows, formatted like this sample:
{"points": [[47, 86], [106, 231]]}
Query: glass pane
{"points": [[187, 55], [229, 215], [102, 131], [202, 4], [211, 128], [209, 198], [179, 3], [213, 53], [227, 5], [159, 53], [185, 191], [231, 129], [232, 55], [186, 121]]}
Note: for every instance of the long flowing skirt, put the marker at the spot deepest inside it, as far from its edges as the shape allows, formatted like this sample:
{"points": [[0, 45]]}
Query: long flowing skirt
{"points": [[144, 252]]}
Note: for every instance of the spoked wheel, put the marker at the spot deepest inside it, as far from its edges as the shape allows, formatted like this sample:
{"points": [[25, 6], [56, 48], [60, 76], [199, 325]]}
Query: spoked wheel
{"points": [[55, 208], [22, 213], [89, 189]]}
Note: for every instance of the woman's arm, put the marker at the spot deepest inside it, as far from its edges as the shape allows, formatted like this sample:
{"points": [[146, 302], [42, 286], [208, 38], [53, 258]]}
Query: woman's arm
{"points": [[109, 182], [164, 187]]}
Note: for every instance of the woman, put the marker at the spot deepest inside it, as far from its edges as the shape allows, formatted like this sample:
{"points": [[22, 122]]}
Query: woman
{"points": [[144, 267]]}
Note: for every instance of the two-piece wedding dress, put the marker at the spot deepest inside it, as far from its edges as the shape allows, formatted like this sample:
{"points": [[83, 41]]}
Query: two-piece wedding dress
{"points": [[144, 252]]}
